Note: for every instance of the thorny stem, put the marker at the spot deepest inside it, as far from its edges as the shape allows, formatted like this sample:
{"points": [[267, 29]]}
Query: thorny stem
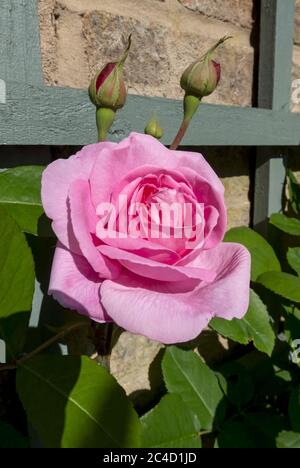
{"points": [[46, 344]]}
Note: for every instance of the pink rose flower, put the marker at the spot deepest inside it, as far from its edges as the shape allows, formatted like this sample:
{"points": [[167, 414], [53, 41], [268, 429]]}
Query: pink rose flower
{"points": [[158, 283]]}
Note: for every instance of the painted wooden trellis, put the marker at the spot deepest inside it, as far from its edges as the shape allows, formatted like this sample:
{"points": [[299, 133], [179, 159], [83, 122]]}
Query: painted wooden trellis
{"points": [[33, 114]]}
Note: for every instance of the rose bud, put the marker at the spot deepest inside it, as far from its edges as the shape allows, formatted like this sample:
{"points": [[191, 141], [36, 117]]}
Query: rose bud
{"points": [[154, 129], [200, 79], [108, 92]]}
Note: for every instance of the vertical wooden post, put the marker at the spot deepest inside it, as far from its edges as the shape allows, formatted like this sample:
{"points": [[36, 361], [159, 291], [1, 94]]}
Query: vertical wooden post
{"points": [[20, 61], [275, 72], [20, 42]]}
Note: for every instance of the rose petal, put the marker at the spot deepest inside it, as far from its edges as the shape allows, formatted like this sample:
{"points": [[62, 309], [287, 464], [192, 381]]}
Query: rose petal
{"points": [[171, 317], [84, 220], [159, 271], [137, 151], [228, 295], [207, 194], [75, 285], [166, 317], [56, 180]]}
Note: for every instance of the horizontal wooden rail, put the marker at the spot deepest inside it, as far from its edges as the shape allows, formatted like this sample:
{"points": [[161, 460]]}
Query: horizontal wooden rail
{"points": [[33, 115]]}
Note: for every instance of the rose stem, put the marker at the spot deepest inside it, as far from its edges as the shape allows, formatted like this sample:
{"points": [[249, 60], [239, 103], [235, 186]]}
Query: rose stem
{"points": [[103, 343], [180, 134], [43, 346], [104, 120], [190, 105]]}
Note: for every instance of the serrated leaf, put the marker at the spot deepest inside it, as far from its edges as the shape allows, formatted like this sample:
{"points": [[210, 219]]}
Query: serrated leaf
{"points": [[288, 439], [283, 284], [17, 284], [288, 225], [235, 330], [20, 189], [74, 403], [170, 425], [294, 409], [293, 257], [255, 326], [11, 438], [185, 374], [263, 257]]}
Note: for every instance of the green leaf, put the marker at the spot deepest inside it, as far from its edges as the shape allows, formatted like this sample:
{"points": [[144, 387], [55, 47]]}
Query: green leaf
{"points": [[255, 326], [258, 430], [17, 284], [170, 425], [294, 409], [288, 440], [265, 427], [72, 402], [288, 225], [294, 192], [236, 383], [283, 284], [186, 375], [20, 195], [263, 257], [10, 438], [235, 434], [292, 333], [293, 257]]}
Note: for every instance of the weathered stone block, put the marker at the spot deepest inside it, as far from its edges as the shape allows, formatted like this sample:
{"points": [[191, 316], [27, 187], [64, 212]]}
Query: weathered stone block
{"points": [[239, 12], [233, 167], [297, 23], [131, 359], [148, 64]]}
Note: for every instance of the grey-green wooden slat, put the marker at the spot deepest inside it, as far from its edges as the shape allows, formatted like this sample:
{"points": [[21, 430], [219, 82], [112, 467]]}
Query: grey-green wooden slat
{"points": [[275, 72], [19, 42], [58, 116]]}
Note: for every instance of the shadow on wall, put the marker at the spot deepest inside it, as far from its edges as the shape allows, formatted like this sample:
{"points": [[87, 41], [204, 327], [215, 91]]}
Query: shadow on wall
{"points": [[12, 156], [254, 41], [227, 161]]}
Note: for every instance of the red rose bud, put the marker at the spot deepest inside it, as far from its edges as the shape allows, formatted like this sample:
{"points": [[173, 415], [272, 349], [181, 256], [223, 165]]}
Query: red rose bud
{"points": [[201, 78], [154, 129], [108, 89], [108, 92]]}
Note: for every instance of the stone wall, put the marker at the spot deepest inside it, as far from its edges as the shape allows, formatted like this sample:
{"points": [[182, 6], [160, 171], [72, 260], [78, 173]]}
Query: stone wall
{"points": [[80, 36]]}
